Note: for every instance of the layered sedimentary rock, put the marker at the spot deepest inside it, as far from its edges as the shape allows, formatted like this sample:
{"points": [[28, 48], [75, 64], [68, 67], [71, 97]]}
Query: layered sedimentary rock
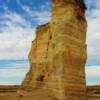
{"points": [[58, 54], [93, 92], [8, 88]]}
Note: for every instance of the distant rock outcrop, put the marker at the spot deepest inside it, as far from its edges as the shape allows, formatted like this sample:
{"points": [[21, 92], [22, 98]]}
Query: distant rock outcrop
{"points": [[58, 54], [93, 92], [9, 88]]}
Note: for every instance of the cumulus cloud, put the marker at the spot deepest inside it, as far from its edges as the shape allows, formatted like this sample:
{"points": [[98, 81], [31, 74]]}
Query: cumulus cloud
{"points": [[16, 33], [93, 33], [42, 16], [15, 37]]}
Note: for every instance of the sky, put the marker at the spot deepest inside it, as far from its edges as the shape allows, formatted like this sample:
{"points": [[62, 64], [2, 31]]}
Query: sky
{"points": [[18, 22]]}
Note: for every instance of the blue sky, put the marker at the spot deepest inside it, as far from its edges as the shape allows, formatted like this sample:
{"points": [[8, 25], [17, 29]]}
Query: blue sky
{"points": [[18, 21]]}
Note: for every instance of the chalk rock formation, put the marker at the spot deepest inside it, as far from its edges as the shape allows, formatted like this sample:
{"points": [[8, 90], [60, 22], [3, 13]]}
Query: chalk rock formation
{"points": [[58, 54]]}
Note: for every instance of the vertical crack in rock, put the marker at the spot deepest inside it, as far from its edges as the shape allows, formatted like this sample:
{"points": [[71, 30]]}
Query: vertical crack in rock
{"points": [[58, 54]]}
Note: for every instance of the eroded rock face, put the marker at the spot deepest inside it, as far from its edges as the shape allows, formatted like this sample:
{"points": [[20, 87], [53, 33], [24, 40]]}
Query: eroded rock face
{"points": [[58, 54]]}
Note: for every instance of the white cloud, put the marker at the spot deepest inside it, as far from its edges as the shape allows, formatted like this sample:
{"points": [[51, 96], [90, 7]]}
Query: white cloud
{"points": [[15, 40], [93, 75], [93, 33], [17, 33], [12, 72], [41, 17], [13, 69], [16, 20]]}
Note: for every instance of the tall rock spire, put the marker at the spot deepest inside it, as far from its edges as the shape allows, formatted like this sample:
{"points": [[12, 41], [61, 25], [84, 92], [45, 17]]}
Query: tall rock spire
{"points": [[58, 54]]}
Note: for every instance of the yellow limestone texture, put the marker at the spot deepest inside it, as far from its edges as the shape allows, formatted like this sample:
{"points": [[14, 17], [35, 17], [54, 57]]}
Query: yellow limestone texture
{"points": [[58, 54]]}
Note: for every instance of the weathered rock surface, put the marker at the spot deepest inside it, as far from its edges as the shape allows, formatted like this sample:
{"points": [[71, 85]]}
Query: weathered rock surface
{"points": [[93, 92], [8, 88], [58, 54]]}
